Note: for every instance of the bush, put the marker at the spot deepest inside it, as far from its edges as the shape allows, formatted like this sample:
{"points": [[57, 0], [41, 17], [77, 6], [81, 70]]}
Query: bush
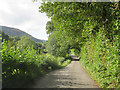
{"points": [[101, 58], [21, 66]]}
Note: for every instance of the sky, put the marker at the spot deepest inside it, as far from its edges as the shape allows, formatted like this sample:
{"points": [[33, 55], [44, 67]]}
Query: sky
{"points": [[24, 15]]}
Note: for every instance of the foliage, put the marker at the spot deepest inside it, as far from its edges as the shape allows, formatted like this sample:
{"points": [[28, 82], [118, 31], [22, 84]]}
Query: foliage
{"points": [[91, 29], [4, 36], [101, 58], [49, 27], [57, 46], [25, 41], [19, 66]]}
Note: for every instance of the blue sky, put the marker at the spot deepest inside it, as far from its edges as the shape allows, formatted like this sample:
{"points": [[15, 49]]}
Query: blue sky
{"points": [[24, 15]]}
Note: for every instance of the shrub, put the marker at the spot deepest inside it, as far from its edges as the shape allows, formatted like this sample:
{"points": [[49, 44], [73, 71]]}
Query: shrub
{"points": [[101, 58], [21, 66]]}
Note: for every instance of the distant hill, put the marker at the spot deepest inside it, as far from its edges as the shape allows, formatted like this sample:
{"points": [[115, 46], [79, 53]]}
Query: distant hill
{"points": [[16, 32]]}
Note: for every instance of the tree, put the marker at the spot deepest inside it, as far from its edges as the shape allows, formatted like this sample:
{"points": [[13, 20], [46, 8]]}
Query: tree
{"points": [[49, 27], [25, 41], [4, 36], [80, 21]]}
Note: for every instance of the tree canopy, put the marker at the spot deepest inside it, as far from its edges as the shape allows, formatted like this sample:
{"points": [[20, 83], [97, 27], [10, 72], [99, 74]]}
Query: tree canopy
{"points": [[75, 22], [92, 30]]}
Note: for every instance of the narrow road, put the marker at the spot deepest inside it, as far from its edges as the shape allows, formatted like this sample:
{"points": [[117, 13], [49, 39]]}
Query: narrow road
{"points": [[72, 76]]}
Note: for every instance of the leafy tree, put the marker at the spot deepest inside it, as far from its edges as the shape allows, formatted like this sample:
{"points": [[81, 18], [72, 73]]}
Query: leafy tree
{"points": [[5, 36], [92, 30], [49, 27], [25, 41]]}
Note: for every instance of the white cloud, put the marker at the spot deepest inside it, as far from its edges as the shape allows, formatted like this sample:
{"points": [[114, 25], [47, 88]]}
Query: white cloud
{"points": [[24, 15]]}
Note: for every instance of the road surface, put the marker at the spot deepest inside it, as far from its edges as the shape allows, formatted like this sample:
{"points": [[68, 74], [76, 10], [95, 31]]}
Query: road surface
{"points": [[72, 76]]}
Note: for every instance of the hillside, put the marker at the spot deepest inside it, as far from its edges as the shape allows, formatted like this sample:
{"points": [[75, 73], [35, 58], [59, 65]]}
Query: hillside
{"points": [[17, 32]]}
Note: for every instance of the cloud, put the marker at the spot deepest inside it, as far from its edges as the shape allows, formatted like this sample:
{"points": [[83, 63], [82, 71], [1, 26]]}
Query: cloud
{"points": [[24, 15]]}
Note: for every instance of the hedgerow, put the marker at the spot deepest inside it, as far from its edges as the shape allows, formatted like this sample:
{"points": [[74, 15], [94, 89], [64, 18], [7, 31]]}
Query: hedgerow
{"points": [[101, 58]]}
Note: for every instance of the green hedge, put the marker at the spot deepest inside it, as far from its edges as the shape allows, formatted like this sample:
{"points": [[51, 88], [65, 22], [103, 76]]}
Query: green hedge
{"points": [[100, 57]]}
